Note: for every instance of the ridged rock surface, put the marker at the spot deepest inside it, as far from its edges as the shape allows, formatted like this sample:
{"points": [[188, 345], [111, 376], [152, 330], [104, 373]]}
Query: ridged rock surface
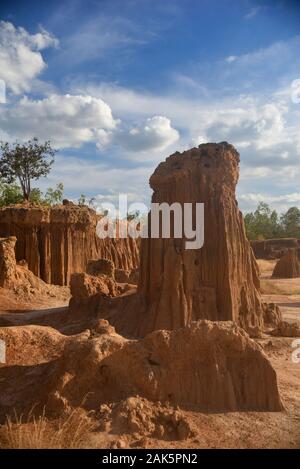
{"points": [[220, 280], [288, 266], [8, 265], [59, 241], [18, 283]]}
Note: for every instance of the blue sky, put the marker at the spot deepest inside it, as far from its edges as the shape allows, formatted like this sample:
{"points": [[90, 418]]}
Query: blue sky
{"points": [[119, 85]]}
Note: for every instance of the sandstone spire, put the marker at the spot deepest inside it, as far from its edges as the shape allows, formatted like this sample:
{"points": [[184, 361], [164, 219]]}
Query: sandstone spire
{"points": [[220, 280]]}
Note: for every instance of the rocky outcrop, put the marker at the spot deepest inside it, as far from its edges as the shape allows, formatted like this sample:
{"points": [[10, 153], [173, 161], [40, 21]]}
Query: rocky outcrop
{"points": [[272, 314], [212, 366], [127, 276], [286, 329], [13, 275], [288, 266], [31, 345], [273, 248], [19, 283], [220, 280], [84, 286], [88, 292], [8, 265], [59, 241], [106, 267], [101, 267]]}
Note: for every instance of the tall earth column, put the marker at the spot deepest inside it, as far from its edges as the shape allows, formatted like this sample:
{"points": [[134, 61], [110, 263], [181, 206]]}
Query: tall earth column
{"points": [[218, 281]]}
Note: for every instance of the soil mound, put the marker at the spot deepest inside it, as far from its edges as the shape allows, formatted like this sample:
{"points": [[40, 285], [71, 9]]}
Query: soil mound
{"points": [[211, 365], [140, 417], [288, 266]]}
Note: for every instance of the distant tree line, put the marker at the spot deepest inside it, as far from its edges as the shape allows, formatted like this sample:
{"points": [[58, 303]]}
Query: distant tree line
{"points": [[265, 223]]}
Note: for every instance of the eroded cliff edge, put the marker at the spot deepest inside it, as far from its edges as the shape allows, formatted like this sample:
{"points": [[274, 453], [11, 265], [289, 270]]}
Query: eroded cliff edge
{"points": [[58, 241]]}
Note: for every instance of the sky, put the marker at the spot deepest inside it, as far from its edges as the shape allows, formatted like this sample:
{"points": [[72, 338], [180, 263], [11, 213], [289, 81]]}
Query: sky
{"points": [[118, 85]]}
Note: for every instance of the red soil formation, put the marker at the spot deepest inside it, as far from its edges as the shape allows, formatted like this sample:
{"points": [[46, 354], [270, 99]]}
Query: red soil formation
{"points": [[59, 241], [176, 286], [273, 248], [286, 329], [210, 365], [219, 281], [185, 341], [18, 284], [288, 266], [9, 275]]}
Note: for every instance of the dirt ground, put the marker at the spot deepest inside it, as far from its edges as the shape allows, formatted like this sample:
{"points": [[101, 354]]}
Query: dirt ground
{"points": [[209, 430]]}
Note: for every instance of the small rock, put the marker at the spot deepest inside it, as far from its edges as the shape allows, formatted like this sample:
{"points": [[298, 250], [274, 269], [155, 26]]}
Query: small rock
{"points": [[183, 430], [118, 444]]}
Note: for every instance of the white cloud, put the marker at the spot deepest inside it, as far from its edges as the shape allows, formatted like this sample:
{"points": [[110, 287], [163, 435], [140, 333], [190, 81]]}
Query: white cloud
{"points": [[156, 133], [73, 120], [281, 203], [275, 53], [20, 58], [198, 140], [255, 173], [290, 198], [131, 104], [263, 127], [253, 12], [68, 120], [80, 175], [100, 36], [231, 58]]}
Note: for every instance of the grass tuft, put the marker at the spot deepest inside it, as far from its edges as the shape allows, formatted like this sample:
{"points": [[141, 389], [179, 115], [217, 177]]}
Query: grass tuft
{"points": [[39, 432]]}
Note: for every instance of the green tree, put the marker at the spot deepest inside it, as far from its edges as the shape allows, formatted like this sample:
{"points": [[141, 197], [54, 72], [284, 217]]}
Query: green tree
{"points": [[10, 194], [263, 223], [250, 228], [54, 196], [290, 222], [36, 196], [25, 162]]}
